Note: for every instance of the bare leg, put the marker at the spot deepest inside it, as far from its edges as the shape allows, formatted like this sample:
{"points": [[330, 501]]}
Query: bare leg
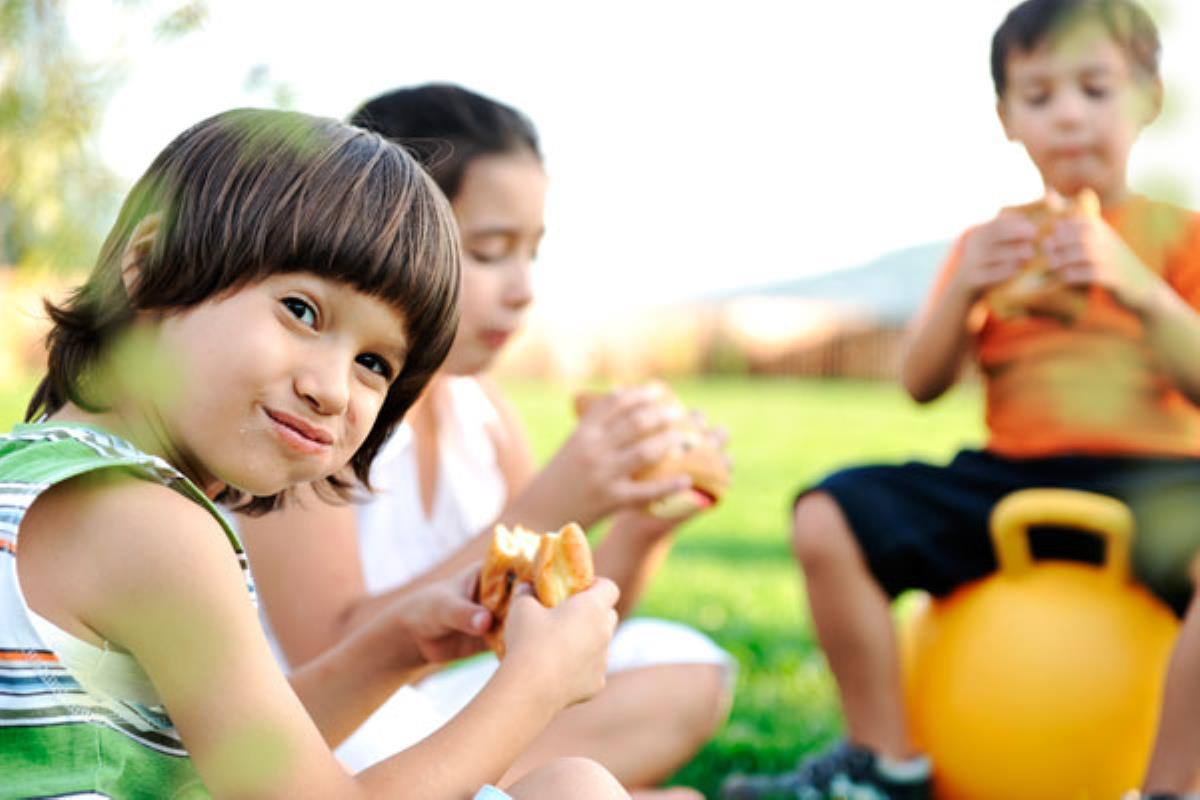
{"points": [[852, 616], [1175, 763], [568, 777], [642, 727]]}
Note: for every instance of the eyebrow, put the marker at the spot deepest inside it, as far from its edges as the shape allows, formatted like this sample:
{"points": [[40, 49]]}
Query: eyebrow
{"points": [[498, 230], [1097, 71]]}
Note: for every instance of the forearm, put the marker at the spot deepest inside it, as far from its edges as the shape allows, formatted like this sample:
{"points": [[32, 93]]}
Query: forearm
{"points": [[1174, 331], [631, 553], [474, 748], [539, 506], [936, 347], [345, 684]]}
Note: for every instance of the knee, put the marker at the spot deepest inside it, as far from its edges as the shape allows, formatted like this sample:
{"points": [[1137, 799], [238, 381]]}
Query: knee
{"points": [[570, 776], [820, 534], [700, 707], [715, 690]]}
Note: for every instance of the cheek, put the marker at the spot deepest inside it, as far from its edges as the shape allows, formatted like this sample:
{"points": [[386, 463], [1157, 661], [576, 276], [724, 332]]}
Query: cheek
{"points": [[360, 419], [480, 292]]}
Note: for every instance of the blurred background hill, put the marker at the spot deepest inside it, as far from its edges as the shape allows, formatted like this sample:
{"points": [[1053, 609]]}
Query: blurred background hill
{"points": [[841, 323]]}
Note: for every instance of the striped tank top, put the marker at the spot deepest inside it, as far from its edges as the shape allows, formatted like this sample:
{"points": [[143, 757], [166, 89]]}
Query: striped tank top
{"points": [[77, 720]]}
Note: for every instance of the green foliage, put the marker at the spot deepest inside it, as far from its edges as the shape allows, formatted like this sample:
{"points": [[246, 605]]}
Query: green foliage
{"points": [[53, 193], [731, 573], [15, 392], [56, 196]]}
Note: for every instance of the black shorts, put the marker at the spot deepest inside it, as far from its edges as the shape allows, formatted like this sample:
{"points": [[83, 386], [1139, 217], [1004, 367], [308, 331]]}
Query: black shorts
{"points": [[923, 526]]}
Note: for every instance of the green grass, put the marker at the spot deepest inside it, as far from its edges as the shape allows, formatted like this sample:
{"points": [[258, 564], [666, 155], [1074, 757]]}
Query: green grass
{"points": [[15, 391], [731, 573]]}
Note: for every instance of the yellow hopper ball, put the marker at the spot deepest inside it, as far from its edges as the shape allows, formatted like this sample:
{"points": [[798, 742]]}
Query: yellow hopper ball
{"points": [[1043, 681]]}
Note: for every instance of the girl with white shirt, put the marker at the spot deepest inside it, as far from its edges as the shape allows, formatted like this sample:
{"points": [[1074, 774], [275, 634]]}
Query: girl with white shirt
{"points": [[461, 462]]}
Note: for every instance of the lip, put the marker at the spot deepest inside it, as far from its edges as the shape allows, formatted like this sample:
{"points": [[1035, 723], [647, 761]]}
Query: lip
{"points": [[495, 338], [298, 434]]}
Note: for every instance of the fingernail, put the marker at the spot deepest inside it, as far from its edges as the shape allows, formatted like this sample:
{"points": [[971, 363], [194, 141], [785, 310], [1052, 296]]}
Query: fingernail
{"points": [[479, 621]]}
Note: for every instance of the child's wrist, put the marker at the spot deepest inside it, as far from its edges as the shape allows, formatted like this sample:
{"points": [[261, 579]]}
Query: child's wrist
{"points": [[1156, 301], [528, 674]]}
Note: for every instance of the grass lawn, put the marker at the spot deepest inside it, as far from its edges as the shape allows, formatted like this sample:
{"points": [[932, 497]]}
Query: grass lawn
{"points": [[731, 573]]}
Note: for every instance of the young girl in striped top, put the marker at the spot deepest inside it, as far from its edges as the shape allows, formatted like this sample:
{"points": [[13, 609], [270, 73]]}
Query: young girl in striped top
{"points": [[276, 292]]}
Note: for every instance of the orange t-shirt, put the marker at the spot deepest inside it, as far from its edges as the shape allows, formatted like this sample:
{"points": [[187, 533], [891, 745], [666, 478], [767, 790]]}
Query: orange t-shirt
{"points": [[1093, 386]]}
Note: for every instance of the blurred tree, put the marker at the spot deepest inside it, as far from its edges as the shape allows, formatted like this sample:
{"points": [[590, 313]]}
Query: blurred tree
{"points": [[56, 196]]}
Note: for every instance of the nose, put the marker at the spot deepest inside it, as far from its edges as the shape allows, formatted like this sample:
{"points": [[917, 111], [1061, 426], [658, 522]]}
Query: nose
{"points": [[518, 289], [1069, 109], [323, 381]]}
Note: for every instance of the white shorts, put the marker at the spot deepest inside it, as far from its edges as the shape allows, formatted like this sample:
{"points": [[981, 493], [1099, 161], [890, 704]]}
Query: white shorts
{"points": [[416, 711], [491, 793]]}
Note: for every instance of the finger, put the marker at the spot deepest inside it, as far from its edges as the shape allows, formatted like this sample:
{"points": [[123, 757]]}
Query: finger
{"points": [[468, 578], [622, 401], [1068, 229], [1067, 256], [995, 273], [647, 451], [642, 421], [1003, 252], [1012, 226], [1077, 275], [524, 602], [603, 592], [638, 493], [464, 616], [719, 436]]}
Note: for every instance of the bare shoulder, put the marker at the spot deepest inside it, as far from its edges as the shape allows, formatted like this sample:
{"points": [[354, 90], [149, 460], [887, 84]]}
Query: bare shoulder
{"points": [[106, 540], [509, 429]]}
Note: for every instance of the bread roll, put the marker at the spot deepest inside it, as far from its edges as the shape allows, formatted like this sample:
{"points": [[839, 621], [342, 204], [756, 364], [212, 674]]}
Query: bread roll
{"points": [[1035, 290], [696, 456], [556, 564]]}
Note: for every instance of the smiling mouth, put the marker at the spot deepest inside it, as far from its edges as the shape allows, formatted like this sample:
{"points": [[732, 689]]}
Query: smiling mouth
{"points": [[298, 435]]}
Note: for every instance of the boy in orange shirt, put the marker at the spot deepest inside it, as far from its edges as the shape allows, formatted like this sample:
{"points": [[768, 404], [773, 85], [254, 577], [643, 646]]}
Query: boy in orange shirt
{"points": [[1104, 399]]}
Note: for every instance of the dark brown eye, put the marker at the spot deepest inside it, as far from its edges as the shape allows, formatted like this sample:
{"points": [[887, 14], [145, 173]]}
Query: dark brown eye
{"points": [[301, 310]]}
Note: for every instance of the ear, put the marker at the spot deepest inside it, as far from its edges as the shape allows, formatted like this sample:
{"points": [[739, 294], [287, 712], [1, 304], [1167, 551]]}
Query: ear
{"points": [[1002, 113], [1151, 96], [137, 249]]}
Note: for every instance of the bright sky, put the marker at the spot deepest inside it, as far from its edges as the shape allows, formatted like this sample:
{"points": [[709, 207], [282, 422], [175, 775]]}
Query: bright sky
{"points": [[692, 146]]}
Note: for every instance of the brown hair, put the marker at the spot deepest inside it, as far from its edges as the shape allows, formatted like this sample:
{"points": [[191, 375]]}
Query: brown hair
{"points": [[1031, 22], [251, 193], [446, 127]]}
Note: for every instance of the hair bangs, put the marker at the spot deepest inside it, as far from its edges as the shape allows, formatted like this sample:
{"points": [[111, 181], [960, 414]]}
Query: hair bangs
{"points": [[251, 193]]}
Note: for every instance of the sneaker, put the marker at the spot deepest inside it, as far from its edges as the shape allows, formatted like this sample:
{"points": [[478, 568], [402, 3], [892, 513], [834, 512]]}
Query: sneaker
{"points": [[847, 772]]}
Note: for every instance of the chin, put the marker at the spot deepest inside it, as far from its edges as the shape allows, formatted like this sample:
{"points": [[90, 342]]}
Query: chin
{"points": [[264, 483], [473, 364]]}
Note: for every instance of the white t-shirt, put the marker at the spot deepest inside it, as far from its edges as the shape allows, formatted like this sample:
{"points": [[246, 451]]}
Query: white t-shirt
{"points": [[398, 542]]}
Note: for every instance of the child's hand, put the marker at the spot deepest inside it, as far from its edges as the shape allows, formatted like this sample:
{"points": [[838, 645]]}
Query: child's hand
{"points": [[654, 526], [622, 433], [993, 253], [442, 619], [1085, 252], [563, 648]]}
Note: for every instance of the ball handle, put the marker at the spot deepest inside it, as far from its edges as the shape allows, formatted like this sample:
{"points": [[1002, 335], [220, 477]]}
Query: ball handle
{"points": [[1107, 517]]}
